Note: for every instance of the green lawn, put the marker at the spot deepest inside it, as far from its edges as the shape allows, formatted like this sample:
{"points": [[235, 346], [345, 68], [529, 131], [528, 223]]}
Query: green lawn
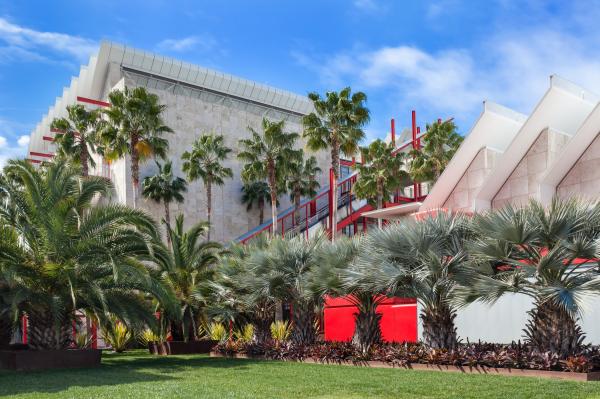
{"points": [[137, 375]]}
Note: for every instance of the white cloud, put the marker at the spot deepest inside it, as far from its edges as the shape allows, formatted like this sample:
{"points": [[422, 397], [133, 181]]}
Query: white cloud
{"points": [[25, 43], [205, 43], [23, 141], [2, 142]]}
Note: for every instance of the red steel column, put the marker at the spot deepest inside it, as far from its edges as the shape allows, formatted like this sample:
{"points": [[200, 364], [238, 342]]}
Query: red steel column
{"points": [[393, 130], [331, 188], [24, 329], [414, 144], [420, 187]]}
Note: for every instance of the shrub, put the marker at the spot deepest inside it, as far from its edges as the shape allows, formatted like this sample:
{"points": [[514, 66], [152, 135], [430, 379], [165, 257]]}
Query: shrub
{"points": [[82, 340], [217, 332], [245, 335], [147, 336], [280, 331], [117, 335]]}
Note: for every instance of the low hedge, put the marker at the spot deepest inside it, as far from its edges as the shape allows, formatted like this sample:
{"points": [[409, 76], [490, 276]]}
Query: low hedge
{"points": [[515, 355]]}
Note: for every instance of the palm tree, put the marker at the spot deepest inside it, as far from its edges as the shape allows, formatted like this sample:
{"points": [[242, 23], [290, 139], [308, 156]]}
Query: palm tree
{"points": [[422, 260], [380, 173], [205, 162], [6, 324], [164, 187], [135, 127], [60, 253], [256, 192], [540, 252], [76, 137], [440, 143], [189, 264], [269, 156], [337, 125], [302, 182]]}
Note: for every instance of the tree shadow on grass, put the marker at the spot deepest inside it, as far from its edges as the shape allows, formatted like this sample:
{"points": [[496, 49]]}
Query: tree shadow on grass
{"points": [[115, 370]]}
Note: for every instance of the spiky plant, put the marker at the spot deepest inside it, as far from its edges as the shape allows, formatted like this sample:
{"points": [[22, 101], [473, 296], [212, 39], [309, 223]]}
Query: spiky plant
{"points": [[134, 126], [547, 253], [185, 268], [61, 252], [419, 259], [269, 156], [205, 162], [116, 334], [336, 125]]}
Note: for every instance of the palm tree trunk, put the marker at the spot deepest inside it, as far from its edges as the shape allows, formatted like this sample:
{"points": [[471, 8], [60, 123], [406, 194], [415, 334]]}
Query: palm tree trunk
{"points": [[335, 164], [5, 331], [135, 167], [439, 331], [261, 211], [367, 322], [552, 329], [168, 221], [297, 199], [304, 332], [379, 201], [208, 207], [45, 332], [273, 189], [83, 158]]}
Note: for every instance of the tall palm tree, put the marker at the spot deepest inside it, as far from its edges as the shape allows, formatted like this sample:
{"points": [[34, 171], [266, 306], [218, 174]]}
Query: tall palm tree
{"points": [[164, 187], [76, 137], [60, 253], [205, 162], [189, 264], [256, 192], [540, 252], [337, 125], [6, 322], [380, 173], [439, 145], [422, 260], [302, 182], [269, 156], [134, 127]]}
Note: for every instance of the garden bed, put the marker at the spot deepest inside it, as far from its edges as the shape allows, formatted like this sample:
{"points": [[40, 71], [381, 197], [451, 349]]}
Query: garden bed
{"points": [[181, 347], [562, 375], [26, 360]]}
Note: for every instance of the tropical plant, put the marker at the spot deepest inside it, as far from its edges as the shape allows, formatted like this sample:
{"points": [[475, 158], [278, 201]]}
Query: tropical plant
{"points": [[439, 145], [76, 136], [188, 265], [337, 125], [256, 192], [83, 340], [301, 181], [269, 156], [134, 126], [547, 253], [281, 331], [217, 332], [205, 161], [116, 334], [148, 336], [164, 187], [380, 174], [245, 334], [60, 251], [6, 324], [422, 260]]}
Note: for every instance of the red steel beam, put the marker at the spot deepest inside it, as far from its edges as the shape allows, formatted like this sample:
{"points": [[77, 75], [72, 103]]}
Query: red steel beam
{"points": [[47, 138], [92, 101], [33, 160], [40, 154]]}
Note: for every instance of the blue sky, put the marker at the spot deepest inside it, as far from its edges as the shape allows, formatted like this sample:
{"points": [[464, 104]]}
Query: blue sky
{"points": [[440, 57]]}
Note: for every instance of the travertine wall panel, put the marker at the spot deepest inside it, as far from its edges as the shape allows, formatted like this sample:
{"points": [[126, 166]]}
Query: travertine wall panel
{"points": [[583, 180]]}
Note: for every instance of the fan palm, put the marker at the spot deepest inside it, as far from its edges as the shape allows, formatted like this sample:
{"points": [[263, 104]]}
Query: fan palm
{"points": [[269, 156], [60, 253], [164, 187], [302, 180], [205, 161], [440, 144], [549, 254], [189, 264], [76, 136], [380, 173], [421, 260], [337, 125], [134, 127], [256, 192]]}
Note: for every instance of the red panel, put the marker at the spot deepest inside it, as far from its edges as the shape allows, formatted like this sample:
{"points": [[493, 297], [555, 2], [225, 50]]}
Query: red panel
{"points": [[91, 101], [41, 154], [399, 323], [339, 323]]}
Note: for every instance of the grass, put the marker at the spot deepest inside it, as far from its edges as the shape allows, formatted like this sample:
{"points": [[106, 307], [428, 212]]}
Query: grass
{"points": [[138, 375]]}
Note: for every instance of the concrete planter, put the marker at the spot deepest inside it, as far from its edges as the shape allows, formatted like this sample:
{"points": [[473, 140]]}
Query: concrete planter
{"points": [[25, 360], [561, 375], [181, 348]]}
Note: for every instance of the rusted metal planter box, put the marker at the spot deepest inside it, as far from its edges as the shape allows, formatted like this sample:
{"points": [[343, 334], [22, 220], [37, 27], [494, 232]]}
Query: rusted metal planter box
{"points": [[181, 348], [25, 360]]}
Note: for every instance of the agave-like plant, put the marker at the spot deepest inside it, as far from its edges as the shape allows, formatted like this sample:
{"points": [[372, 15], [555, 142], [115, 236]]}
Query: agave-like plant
{"points": [[547, 253], [422, 260], [60, 251]]}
